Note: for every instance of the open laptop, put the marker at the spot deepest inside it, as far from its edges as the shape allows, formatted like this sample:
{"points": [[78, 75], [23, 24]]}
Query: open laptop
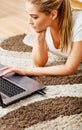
{"points": [[14, 87]]}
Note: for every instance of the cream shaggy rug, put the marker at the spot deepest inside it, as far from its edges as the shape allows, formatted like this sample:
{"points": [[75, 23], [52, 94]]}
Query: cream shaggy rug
{"points": [[59, 109]]}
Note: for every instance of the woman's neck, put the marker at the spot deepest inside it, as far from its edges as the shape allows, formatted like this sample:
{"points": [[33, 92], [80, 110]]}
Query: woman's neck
{"points": [[55, 25], [54, 29]]}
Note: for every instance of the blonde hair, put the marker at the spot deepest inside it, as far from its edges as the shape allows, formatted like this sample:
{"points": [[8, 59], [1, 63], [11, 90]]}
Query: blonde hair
{"points": [[65, 18]]}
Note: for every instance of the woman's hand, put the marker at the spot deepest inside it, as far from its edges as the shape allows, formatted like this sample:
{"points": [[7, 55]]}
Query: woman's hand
{"points": [[9, 69], [40, 37]]}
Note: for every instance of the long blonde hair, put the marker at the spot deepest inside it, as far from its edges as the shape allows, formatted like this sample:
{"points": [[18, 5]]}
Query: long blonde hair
{"points": [[65, 18]]}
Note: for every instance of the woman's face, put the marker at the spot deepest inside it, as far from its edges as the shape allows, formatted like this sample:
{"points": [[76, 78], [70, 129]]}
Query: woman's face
{"points": [[37, 20]]}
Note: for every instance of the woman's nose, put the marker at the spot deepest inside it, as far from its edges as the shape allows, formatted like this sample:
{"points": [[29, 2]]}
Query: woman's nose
{"points": [[30, 20]]}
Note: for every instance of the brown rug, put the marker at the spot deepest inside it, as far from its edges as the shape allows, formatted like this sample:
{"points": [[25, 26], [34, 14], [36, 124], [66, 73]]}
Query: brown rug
{"points": [[15, 44], [34, 113], [59, 80]]}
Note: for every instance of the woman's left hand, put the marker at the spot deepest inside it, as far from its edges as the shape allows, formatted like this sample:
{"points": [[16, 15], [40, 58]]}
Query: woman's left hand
{"points": [[9, 69]]}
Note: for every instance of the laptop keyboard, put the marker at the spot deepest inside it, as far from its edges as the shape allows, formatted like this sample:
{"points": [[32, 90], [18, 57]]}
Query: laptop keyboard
{"points": [[9, 88]]}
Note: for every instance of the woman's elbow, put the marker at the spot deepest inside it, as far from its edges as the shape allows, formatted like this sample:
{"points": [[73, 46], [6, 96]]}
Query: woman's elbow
{"points": [[40, 63]]}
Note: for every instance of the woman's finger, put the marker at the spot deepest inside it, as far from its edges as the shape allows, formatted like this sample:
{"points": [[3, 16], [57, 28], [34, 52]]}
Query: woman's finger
{"points": [[7, 71], [4, 68]]}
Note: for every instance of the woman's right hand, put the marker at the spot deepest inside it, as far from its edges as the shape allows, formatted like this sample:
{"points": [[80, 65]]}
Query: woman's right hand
{"points": [[9, 69]]}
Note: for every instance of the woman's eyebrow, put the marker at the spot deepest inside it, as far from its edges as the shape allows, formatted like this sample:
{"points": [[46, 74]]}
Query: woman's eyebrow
{"points": [[31, 14]]}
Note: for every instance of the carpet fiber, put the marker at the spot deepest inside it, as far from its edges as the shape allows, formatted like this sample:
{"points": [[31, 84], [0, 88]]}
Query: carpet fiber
{"points": [[41, 111], [15, 44]]}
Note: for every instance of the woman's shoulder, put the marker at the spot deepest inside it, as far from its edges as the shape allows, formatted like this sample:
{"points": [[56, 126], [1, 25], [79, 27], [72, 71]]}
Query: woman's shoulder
{"points": [[77, 14], [77, 18], [77, 25]]}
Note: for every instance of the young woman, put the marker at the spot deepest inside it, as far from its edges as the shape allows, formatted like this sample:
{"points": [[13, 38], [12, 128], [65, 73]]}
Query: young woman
{"points": [[55, 29]]}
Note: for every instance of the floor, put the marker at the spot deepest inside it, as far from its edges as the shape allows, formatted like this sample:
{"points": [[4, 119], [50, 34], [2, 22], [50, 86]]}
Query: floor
{"points": [[13, 19]]}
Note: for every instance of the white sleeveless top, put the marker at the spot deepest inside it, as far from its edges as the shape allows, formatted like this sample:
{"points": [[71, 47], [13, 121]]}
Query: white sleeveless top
{"points": [[76, 31]]}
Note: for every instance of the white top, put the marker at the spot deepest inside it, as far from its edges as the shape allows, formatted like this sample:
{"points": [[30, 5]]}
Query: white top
{"points": [[76, 31]]}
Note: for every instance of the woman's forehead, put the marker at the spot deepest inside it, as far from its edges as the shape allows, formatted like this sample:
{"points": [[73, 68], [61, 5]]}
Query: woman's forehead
{"points": [[32, 7]]}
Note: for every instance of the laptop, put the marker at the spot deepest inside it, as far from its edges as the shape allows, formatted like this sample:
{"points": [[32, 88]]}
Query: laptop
{"points": [[14, 87]]}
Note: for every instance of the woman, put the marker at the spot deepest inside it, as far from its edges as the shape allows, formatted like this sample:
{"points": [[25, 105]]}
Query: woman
{"points": [[55, 29]]}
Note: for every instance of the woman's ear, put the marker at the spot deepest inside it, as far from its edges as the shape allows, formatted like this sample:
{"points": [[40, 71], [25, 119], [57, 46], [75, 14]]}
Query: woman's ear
{"points": [[54, 14]]}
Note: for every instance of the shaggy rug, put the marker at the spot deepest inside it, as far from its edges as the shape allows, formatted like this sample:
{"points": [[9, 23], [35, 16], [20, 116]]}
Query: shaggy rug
{"points": [[59, 109]]}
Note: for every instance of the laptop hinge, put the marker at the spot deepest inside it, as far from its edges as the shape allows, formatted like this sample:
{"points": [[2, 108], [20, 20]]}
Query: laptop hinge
{"points": [[1, 101]]}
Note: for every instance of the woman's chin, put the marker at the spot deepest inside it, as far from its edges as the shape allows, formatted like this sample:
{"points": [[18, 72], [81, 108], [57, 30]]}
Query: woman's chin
{"points": [[37, 31]]}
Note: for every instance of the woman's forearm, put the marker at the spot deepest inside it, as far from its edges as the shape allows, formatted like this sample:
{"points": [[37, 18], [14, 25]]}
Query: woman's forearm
{"points": [[40, 53], [59, 70]]}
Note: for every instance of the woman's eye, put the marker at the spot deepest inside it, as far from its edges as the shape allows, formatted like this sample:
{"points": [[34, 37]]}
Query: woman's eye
{"points": [[34, 17]]}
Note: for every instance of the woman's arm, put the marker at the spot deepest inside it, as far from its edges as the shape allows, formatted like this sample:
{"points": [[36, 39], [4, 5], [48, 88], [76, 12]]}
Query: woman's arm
{"points": [[40, 51], [68, 68]]}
